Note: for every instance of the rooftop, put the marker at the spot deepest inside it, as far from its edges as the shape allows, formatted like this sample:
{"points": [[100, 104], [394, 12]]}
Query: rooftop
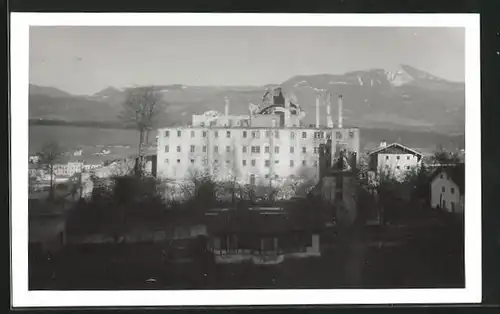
{"points": [[312, 128], [394, 146], [89, 158], [265, 220]]}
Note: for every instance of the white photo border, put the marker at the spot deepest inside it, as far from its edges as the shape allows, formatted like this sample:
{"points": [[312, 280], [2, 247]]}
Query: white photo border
{"points": [[22, 297]]}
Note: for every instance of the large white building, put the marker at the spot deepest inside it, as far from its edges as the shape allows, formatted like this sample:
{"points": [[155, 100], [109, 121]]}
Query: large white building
{"points": [[269, 144]]}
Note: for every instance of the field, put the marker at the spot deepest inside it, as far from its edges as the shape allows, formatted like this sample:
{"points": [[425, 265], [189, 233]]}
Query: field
{"points": [[71, 137]]}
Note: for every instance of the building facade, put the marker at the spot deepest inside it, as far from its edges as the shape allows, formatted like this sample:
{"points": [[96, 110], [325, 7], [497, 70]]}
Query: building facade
{"points": [[268, 144], [447, 188], [394, 160], [264, 153], [69, 169]]}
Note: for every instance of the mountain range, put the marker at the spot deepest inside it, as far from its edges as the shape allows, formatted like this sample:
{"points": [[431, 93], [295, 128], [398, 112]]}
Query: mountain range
{"points": [[404, 99]]}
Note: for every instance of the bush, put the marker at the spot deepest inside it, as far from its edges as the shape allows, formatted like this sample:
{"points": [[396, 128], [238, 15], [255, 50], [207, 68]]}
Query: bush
{"points": [[120, 204]]}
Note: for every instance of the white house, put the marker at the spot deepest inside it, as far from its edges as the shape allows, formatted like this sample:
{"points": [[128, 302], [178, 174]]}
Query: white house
{"points": [[68, 169], [394, 159], [78, 152], [448, 187], [34, 159], [87, 167]]}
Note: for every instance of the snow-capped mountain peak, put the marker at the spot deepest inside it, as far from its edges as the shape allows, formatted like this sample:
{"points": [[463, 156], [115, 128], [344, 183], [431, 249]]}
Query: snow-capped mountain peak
{"points": [[404, 74], [108, 91], [399, 76]]}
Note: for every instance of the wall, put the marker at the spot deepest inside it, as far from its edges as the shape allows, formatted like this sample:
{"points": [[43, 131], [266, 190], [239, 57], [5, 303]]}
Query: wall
{"points": [[315, 247], [265, 121], [347, 210], [148, 167], [437, 195], [246, 255], [179, 165], [396, 164], [328, 189], [345, 138], [349, 198], [220, 121]]}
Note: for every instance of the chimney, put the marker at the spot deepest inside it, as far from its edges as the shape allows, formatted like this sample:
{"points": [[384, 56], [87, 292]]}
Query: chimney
{"points": [[226, 106], [287, 111], [317, 112], [383, 144], [340, 112], [329, 122]]}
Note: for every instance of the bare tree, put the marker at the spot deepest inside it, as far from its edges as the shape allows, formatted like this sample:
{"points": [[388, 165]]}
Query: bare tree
{"points": [[48, 156], [363, 173], [121, 168], [231, 184], [141, 109], [418, 179], [306, 179]]}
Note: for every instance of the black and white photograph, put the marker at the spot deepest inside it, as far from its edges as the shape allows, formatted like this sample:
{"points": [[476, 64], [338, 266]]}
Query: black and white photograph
{"points": [[225, 158]]}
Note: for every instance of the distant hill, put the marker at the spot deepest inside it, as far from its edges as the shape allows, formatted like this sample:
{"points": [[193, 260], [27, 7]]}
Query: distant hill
{"points": [[404, 99], [47, 91], [69, 108], [110, 95]]}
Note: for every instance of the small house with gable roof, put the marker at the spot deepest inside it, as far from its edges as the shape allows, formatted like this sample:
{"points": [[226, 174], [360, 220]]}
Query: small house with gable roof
{"points": [[394, 158], [448, 188]]}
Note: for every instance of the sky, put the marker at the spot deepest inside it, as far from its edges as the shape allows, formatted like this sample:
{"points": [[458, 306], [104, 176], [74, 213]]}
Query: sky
{"points": [[87, 59]]}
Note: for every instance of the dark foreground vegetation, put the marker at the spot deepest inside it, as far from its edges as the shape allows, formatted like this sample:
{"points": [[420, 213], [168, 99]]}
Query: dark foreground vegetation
{"points": [[416, 247], [411, 263]]}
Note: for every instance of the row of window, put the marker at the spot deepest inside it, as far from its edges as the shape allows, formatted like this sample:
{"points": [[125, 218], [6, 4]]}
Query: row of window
{"points": [[256, 134], [254, 149], [253, 162], [397, 157], [398, 167], [452, 190]]}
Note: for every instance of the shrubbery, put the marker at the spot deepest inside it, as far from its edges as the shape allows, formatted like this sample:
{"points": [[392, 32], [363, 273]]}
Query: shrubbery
{"points": [[125, 202]]}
